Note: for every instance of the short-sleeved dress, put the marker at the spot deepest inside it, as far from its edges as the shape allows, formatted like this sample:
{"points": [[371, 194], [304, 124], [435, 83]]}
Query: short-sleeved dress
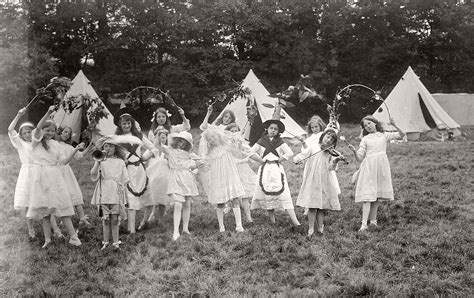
{"points": [[22, 193], [48, 189], [222, 176], [69, 177], [139, 194], [111, 189], [181, 180], [241, 150], [159, 173], [374, 181], [271, 176], [319, 188]]}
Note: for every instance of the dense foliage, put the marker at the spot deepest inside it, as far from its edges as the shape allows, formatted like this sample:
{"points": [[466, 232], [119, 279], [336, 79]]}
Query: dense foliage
{"points": [[196, 49]]}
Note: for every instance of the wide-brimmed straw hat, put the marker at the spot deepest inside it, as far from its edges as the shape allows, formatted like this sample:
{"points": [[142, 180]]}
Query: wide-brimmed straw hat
{"points": [[281, 126], [183, 135]]}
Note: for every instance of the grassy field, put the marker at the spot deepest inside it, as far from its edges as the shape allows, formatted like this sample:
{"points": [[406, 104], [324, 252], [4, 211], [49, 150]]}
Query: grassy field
{"points": [[423, 245]]}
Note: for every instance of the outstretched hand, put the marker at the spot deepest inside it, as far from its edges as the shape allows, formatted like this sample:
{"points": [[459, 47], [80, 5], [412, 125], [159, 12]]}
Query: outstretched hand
{"points": [[351, 147], [180, 111], [22, 111]]}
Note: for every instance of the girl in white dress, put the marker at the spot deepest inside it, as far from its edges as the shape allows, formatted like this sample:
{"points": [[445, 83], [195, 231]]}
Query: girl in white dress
{"points": [[227, 118], [374, 182], [138, 192], [272, 191], [241, 150], [319, 190], [314, 128], [182, 183], [48, 189], [161, 120], [64, 139], [158, 173], [221, 176], [21, 140], [110, 193]]}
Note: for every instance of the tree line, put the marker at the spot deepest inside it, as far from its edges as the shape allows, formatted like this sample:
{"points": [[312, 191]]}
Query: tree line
{"points": [[195, 48]]}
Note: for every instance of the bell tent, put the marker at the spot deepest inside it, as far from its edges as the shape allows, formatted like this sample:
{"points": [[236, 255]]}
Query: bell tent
{"points": [[460, 106], [415, 110], [260, 99], [82, 86]]}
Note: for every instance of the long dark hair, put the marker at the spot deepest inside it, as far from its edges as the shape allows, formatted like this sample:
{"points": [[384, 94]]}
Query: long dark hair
{"points": [[44, 142], [378, 125], [332, 133], [133, 130], [232, 115], [119, 151], [59, 131], [155, 124]]}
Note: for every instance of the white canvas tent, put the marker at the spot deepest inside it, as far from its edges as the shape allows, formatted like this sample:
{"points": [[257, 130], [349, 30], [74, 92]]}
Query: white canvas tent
{"points": [[460, 106], [415, 110], [260, 95], [82, 86]]}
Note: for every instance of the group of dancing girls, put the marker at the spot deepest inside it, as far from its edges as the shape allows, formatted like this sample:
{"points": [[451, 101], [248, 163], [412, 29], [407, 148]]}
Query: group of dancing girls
{"points": [[137, 172]]}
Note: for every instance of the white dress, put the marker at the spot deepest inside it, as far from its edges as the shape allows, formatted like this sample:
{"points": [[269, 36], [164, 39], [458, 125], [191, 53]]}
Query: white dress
{"points": [[272, 177], [319, 188], [181, 180], [158, 172], [22, 195], [374, 181], [69, 177], [241, 150], [48, 189], [138, 187], [222, 181], [111, 189]]}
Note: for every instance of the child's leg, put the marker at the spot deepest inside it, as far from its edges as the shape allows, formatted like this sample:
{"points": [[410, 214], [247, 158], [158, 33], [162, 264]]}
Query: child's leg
{"points": [[306, 211], [47, 230], [271, 215], [148, 210], [31, 229], [54, 225], [186, 215], [237, 215], [365, 215], [74, 240], [176, 219], [114, 226], [373, 212], [293, 217], [131, 220], [320, 220], [246, 207], [220, 216], [311, 220], [106, 231], [152, 214]]}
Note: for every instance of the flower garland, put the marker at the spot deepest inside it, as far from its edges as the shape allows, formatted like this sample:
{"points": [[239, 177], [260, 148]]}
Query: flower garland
{"points": [[271, 193], [93, 107]]}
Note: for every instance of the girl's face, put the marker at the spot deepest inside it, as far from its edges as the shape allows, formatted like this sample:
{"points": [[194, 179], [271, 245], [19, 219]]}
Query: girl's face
{"points": [[315, 128], [272, 130], [49, 132], [226, 119], [26, 133], [92, 125], [163, 138], [369, 126], [66, 134], [160, 118], [234, 129], [109, 149], [126, 126], [213, 140], [328, 139]]}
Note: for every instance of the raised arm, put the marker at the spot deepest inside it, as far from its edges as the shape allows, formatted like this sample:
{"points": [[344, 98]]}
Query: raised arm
{"points": [[43, 120], [359, 154], [205, 123], [71, 154], [186, 124], [11, 127], [400, 131]]}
